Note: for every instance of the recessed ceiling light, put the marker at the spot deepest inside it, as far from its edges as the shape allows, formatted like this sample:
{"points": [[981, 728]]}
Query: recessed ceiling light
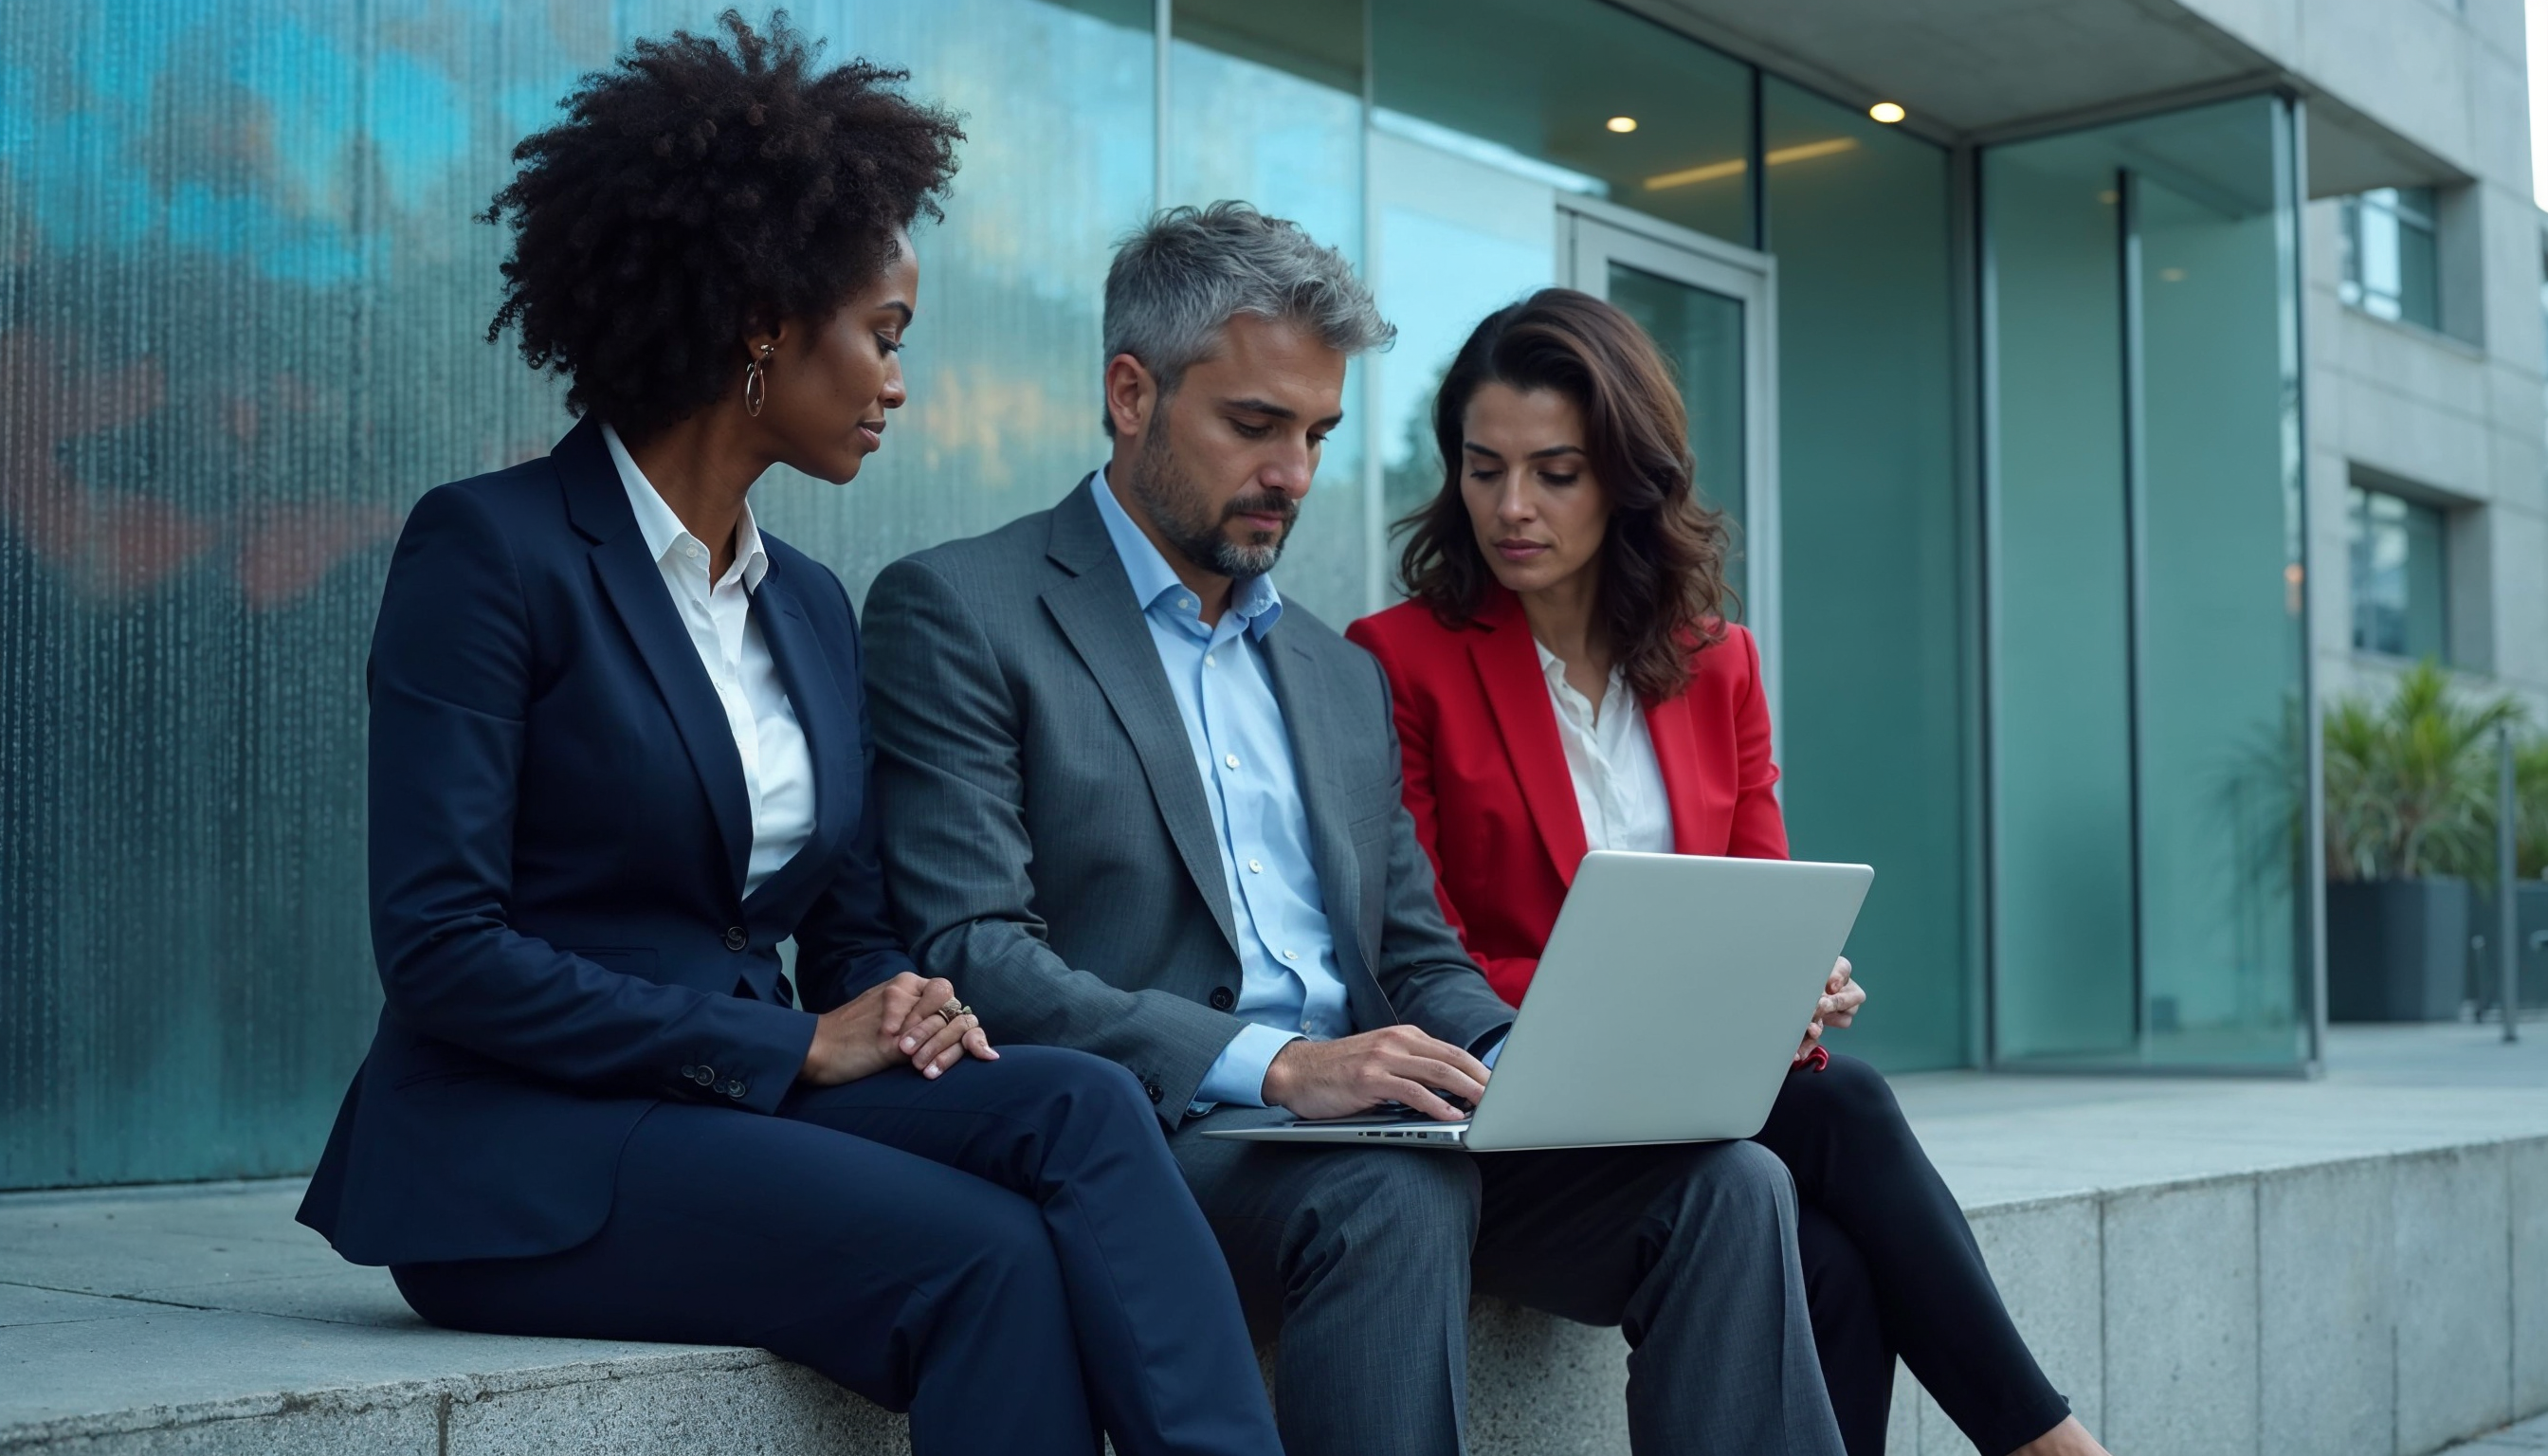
{"points": [[1886, 112], [1621, 124]]}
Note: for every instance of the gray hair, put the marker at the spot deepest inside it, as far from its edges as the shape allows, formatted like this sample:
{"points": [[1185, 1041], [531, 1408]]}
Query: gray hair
{"points": [[1180, 278]]}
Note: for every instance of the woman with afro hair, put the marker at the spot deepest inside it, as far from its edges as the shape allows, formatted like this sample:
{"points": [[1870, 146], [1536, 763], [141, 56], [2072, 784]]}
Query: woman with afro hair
{"points": [[619, 751]]}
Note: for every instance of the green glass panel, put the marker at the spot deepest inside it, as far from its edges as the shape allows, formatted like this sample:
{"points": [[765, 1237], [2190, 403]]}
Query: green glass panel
{"points": [[1873, 722], [2221, 631], [1450, 65], [1268, 109], [2149, 677], [2062, 952], [245, 334]]}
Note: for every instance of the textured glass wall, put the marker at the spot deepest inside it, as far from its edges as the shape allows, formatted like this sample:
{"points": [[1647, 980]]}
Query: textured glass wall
{"points": [[1872, 556], [1266, 105], [2146, 547], [241, 332]]}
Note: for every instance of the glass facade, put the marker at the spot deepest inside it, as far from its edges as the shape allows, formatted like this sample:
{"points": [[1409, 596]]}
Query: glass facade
{"points": [[1876, 715], [244, 334], [2148, 665]]}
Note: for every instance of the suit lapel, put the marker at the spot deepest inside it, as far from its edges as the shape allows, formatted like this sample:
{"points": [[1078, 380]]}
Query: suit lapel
{"points": [[814, 691], [1096, 612], [1508, 667], [598, 505], [1306, 722]]}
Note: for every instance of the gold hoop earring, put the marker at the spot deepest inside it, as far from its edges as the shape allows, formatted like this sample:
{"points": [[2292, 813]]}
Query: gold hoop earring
{"points": [[753, 388]]}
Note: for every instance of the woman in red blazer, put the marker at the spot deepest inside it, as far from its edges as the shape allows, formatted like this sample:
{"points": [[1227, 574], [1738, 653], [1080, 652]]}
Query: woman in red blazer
{"points": [[1565, 681]]}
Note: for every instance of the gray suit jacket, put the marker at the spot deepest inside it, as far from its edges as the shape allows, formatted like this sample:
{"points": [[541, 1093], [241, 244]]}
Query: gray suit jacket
{"points": [[1046, 838]]}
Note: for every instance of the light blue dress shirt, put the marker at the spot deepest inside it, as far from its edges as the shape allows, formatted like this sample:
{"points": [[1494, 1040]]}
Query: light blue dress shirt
{"points": [[1287, 956]]}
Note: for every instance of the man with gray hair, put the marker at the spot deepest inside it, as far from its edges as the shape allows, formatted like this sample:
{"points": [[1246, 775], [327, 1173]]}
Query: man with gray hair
{"points": [[1137, 805]]}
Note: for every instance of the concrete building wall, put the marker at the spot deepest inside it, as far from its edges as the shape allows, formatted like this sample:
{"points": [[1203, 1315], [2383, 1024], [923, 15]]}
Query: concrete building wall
{"points": [[2454, 415]]}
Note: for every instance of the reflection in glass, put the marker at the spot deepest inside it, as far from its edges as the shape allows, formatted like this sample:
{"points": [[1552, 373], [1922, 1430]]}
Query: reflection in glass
{"points": [[248, 302], [2401, 575], [2146, 515], [2392, 255], [1701, 334], [1266, 107], [1543, 79], [1873, 727]]}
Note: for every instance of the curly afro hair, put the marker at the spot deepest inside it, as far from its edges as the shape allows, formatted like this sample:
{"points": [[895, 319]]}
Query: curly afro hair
{"points": [[701, 188]]}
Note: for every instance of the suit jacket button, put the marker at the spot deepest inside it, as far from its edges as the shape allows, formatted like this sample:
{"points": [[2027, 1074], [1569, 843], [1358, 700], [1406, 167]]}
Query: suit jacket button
{"points": [[690, 1074], [1153, 1088], [735, 938], [734, 1089], [703, 1075], [1221, 999]]}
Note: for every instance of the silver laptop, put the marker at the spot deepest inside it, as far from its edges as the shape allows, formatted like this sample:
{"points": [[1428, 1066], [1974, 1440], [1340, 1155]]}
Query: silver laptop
{"points": [[1666, 1009]]}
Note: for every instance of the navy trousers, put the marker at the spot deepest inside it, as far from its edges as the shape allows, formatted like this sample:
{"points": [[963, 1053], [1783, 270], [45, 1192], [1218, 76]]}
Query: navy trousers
{"points": [[1006, 1252]]}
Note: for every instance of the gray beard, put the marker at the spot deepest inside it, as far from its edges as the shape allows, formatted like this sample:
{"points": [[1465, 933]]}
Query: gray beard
{"points": [[1181, 514]]}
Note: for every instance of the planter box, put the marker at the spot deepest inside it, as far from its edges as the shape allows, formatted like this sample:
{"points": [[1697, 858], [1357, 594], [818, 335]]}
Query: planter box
{"points": [[2397, 949], [2532, 896]]}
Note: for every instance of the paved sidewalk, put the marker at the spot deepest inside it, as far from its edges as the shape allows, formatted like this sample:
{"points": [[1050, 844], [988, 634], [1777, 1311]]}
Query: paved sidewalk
{"points": [[2530, 1435], [2144, 1229]]}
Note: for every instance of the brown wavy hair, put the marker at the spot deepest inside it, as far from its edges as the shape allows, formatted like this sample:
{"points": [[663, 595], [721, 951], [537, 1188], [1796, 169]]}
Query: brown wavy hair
{"points": [[1662, 593]]}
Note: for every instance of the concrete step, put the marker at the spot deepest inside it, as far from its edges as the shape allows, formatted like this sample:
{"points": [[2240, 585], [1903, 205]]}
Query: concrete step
{"points": [[2354, 1265]]}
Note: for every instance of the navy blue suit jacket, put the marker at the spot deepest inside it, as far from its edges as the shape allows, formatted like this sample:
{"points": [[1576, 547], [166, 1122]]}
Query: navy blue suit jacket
{"points": [[559, 835]]}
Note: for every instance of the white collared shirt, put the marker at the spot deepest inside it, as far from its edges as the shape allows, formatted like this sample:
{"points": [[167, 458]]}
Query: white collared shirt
{"points": [[778, 772], [1619, 784]]}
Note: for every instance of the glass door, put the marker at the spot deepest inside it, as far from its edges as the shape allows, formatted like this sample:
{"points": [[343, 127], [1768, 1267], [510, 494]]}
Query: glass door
{"points": [[1709, 305], [2155, 821]]}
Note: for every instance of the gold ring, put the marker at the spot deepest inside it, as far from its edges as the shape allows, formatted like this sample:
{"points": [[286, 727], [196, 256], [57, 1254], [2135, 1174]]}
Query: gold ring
{"points": [[954, 1009]]}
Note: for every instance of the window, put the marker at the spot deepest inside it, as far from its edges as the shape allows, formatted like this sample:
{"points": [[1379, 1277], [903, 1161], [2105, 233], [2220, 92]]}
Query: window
{"points": [[2392, 258], [2400, 574]]}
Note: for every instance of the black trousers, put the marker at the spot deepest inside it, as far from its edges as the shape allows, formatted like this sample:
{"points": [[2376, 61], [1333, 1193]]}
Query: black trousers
{"points": [[1891, 1268], [1006, 1252]]}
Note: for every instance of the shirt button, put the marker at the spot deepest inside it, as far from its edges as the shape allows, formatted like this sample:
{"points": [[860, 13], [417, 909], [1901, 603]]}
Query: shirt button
{"points": [[1291, 955], [1231, 759], [1256, 867], [1207, 659], [1186, 601]]}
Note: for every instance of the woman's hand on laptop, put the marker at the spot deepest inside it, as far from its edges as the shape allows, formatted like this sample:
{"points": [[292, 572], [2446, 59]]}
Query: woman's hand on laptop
{"points": [[1351, 1074]]}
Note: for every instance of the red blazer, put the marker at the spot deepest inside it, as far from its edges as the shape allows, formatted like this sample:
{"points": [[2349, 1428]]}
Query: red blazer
{"points": [[1487, 779]]}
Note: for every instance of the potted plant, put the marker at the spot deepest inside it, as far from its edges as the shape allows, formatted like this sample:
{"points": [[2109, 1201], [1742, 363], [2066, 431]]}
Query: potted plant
{"points": [[2411, 784]]}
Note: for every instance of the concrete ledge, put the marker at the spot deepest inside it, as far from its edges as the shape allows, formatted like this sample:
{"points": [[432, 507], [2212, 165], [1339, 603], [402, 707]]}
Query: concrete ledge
{"points": [[2350, 1266]]}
